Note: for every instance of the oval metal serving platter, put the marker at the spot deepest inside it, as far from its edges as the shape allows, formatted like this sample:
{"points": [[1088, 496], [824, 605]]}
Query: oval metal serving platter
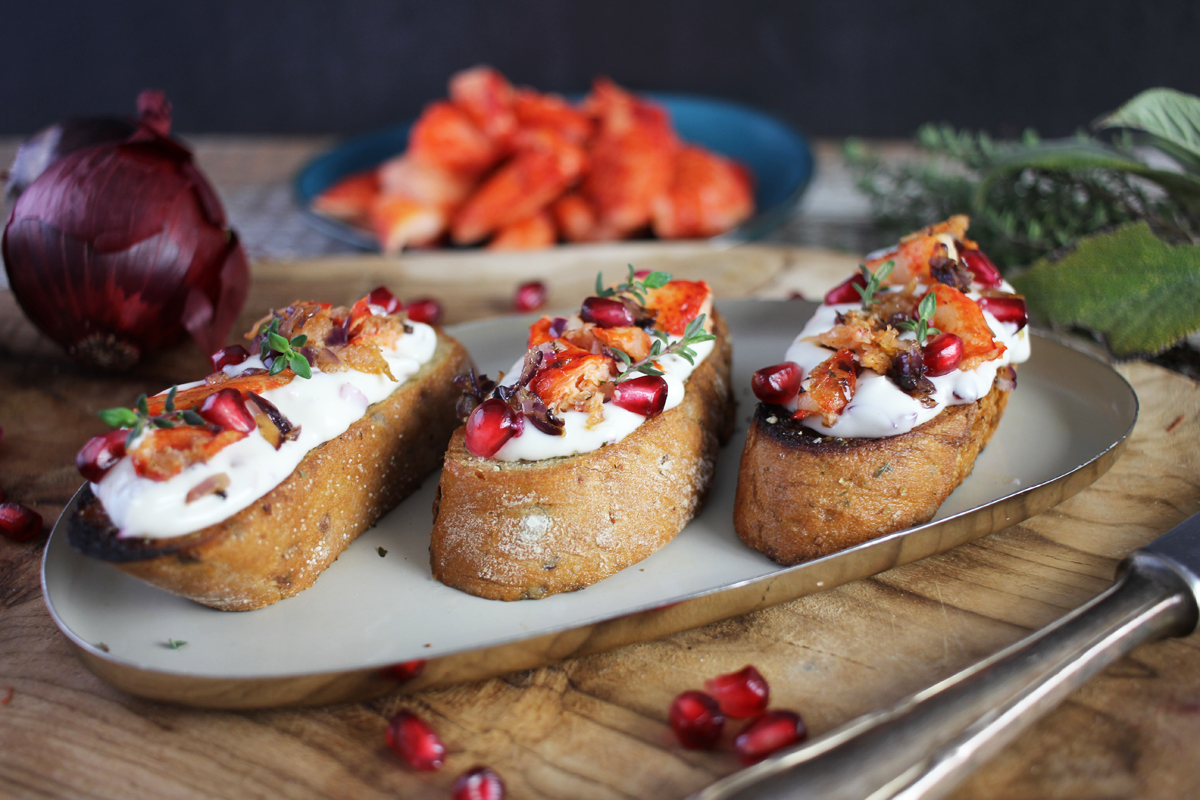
{"points": [[341, 640], [778, 156]]}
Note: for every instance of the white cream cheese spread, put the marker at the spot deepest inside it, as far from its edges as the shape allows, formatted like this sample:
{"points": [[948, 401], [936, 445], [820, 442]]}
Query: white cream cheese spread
{"points": [[323, 407], [578, 437], [879, 407]]}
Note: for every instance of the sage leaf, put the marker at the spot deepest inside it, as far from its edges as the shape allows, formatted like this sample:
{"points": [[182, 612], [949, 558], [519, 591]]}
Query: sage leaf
{"points": [[1171, 117], [1138, 292]]}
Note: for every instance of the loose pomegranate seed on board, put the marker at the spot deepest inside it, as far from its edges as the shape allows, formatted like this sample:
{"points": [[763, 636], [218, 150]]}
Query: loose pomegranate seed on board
{"points": [[415, 742], [696, 720], [19, 522], [382, 296], [228, 409], [491, 425], [740, 694], [778, 383], [98, 456], [426, 310], [1007, 309], [646, 395], [606, 312], [982, 268], [767, 733], [226, 356], [845, 292], [530, 296], [478, 783], [942, 354], [405, 670]]}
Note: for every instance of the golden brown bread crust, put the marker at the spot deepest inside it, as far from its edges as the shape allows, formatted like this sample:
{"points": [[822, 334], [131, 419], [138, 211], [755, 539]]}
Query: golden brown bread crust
{"points": [[281, 544], [801, 495], [517, 530]]}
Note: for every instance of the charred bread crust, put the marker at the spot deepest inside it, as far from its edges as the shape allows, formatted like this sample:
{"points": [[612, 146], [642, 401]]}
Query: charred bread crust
{"points": [[802, 495], [281, 544], [526, 530]]}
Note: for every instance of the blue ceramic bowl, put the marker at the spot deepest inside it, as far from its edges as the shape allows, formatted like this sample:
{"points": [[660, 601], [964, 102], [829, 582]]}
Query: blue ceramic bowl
{"points": [[779, 158]]}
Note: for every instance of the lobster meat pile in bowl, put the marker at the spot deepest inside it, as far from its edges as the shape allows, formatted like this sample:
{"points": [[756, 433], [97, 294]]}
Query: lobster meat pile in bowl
{"points": [[512, 168]]}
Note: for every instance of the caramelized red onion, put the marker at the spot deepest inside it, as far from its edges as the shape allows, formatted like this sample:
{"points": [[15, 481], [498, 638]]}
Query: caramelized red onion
{"points": [[121, 248]]}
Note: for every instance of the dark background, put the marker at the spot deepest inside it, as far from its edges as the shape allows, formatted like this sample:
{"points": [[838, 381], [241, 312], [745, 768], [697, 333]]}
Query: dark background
{"points": [[828, 68]]}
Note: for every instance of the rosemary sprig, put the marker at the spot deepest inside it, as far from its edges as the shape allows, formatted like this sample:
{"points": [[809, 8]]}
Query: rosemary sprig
{"points": [[693, 334], [140, 419], [286, 352], [921, 326], [633, 285], [874, 281]]}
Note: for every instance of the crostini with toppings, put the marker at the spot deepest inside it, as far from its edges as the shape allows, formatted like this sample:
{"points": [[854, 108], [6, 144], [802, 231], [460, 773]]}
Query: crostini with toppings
{"points": [[884, 400], [594, 451], [239, 490]]}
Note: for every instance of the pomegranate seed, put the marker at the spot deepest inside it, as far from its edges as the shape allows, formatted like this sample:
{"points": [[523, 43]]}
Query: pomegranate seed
{"points": [[606, 312], [942, 354], [381, 296], [406, 670], [740, 694], [1007, 309], [425, 310], [227, 408], [491, 425], [777, 384], [768, 733], [415, 742], [641, 274], [530, 296], [982, 268], [697, 720], [479, 783], [646, 395], [227, 356], [844, 292], [19, 522], [98, 456]]}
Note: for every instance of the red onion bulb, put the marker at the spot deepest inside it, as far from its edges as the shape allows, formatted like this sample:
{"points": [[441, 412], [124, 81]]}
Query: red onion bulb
{"points": [[120, 248]]}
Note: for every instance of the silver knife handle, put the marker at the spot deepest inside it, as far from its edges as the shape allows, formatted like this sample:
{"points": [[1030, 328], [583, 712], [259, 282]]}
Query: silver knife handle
{"points": [[923, 746]]}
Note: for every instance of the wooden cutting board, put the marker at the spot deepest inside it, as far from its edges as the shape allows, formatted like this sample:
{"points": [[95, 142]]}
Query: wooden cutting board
{"points": [[596, 727]]}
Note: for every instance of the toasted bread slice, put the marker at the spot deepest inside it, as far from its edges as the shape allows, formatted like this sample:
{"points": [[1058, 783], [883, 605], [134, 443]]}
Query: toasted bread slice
{"points": [[802, 495], [512, 530], [281, 544]]}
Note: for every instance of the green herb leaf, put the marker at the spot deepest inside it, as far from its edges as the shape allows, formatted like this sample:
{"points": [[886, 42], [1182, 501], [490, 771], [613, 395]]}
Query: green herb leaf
{"points": [[299, 340], [277, 366], [1141, 294], [192, 418], [175, 644], [1171, 117], [160, 422], [657, 280], [142, 407], [925, 311], [169, 406], [299, 365], [118, 417], [874, 280]]}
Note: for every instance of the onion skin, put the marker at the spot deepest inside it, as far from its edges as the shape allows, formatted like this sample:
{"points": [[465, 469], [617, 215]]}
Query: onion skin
{"points": [[119, 249]]}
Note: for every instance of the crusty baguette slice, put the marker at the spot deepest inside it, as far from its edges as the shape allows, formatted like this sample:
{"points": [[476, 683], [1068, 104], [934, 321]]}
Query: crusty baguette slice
{"points": [[801, 495], [517, 530], [278, 546]]}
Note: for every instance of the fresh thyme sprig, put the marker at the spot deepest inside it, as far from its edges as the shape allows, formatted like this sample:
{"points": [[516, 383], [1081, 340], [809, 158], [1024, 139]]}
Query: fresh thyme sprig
{"points": [[633, 285], [140, 419], [921, 326], [287, 354], [693, 334], [867, 293]]}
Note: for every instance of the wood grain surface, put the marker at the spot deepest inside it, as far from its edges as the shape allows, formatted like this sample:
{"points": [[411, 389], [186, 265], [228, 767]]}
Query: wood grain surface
{"points": [[596, 727]]}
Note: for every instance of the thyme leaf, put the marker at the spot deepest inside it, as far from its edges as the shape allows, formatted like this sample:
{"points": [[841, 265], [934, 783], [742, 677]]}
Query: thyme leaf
{"points": [[874, 281], [920, 326], [693, 334]]}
